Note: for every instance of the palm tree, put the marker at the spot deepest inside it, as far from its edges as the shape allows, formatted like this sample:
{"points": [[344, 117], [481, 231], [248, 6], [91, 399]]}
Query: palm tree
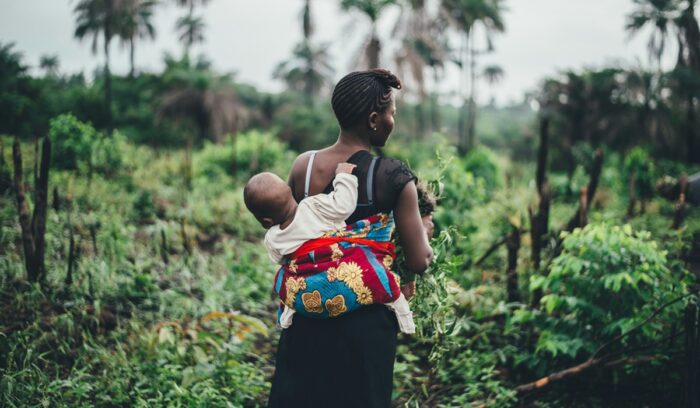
{"points": [[195, 93], [190, 27], [679, 16], [465, 16], [689, 37], [493, 74], [49, 63], [660, 15], [95, 18], [372, 9], [424, 45], [307, 71], [136, 23], [191, 30]]}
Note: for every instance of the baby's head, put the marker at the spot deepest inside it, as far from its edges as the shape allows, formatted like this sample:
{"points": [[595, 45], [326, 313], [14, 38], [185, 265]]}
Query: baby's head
{"points": [[269, 198]]}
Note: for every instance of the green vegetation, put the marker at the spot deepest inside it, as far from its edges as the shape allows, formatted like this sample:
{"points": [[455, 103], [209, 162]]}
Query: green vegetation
{"points": [[566, 250]]}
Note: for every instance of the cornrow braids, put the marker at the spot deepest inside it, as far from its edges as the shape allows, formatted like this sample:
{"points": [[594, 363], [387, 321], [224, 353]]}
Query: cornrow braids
{"points": [[360, 93]]}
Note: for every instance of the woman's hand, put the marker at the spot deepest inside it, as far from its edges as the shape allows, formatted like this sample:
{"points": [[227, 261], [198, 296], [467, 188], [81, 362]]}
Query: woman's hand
{"points": [[409, 290]]}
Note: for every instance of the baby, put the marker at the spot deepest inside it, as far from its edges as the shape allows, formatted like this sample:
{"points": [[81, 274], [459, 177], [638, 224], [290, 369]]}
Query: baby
{"points": [[290, 224]]}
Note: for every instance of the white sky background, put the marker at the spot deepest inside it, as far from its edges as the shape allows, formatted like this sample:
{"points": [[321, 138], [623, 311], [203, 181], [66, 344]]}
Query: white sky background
{"points": [[250, 37]]}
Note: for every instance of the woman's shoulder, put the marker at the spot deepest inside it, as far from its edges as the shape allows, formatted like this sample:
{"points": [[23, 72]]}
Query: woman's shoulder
{"points": [[395, 173], [301, 162]]}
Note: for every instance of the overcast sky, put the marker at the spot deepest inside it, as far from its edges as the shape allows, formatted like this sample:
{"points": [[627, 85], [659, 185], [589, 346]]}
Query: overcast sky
{"points": [[250, 37]]}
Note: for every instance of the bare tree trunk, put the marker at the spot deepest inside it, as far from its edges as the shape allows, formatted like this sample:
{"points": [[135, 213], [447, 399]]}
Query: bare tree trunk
{"points": [[40, 207], [691, 130], [107, 73], [462, 142], [679, 214], [539, 227], [513, 246], [632, 194], [34, 228], [542, 154], [163, 247], [132, 47], [583, 207], [539, 223], [234, 158], [373, 49], [56, 199], [590, 190], [23, 210], [471, 128], [71, 257]]}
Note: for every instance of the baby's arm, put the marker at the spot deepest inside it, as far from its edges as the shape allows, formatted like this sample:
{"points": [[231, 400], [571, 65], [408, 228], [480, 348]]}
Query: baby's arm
{"points": [[341, 202]]}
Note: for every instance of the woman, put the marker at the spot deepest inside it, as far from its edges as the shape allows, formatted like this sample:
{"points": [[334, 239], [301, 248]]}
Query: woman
{"points": [[348, 361]]}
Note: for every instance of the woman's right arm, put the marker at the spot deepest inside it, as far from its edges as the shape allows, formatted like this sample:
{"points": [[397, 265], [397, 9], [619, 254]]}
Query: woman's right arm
{"points": [[412, 234]]}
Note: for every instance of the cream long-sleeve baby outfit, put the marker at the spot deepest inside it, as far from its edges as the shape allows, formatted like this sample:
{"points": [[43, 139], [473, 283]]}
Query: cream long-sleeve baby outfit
{"points": [[315, 216]]}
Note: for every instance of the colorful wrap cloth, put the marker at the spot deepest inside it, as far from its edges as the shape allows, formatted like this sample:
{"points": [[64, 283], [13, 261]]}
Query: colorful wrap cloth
{"points": [[342, 271]]}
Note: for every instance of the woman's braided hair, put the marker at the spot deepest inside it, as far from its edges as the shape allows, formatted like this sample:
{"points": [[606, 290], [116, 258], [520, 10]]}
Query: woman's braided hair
{"points": [[362, 92]]}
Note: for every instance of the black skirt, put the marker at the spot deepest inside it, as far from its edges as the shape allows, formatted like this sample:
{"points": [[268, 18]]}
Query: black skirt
{"points": [[346, 361]]}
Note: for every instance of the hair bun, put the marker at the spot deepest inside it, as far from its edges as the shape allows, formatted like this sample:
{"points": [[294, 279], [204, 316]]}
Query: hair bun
{"points": [[386, 77]]}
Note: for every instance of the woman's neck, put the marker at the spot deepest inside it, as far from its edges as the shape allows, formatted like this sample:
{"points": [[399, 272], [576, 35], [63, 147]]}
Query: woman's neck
{"points": [[350, 140]]}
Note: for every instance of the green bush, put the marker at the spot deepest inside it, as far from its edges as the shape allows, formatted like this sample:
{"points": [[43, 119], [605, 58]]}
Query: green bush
{"points": [[107, 154], [72, 142], [250, 153], [638, 164], [482, 162], [306, 127], [606, 281]]}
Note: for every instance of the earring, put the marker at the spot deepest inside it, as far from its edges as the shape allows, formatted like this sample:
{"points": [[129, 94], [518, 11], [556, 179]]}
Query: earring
{"points": [[374, 128]]}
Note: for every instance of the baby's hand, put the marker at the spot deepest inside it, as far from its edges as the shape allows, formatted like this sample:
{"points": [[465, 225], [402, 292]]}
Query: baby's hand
{"points": [[344, 168]]}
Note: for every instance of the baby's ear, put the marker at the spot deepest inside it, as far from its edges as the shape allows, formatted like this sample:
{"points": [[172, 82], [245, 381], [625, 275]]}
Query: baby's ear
{"points": [[267, 222]]}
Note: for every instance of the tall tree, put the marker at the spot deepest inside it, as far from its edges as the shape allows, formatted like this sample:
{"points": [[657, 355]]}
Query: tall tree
{"points": [[466, 16], [191, 30], [423, 46], [689, 37], [660, 16], [493, 74], [308, 69], [49, 63], [197, 94], [136, 22], [674, 17], [190, 27], [95, 18], [372, 9]]}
